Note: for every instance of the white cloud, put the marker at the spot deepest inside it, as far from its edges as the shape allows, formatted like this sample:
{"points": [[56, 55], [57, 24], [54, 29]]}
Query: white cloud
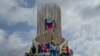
{"points": [[13, 13], [22, 15], [13, 45], [2, 35], [15, 41], [5, 5]]}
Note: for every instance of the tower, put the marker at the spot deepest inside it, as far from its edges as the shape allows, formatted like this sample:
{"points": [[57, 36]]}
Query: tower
{"points": [[51, 12]]}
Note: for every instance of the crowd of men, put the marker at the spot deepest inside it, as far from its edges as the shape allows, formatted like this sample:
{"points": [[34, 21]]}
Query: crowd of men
{"points": [[52, 49]]}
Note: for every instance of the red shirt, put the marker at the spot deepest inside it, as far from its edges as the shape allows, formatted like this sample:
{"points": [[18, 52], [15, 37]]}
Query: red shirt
{"points": [[67, 50]]}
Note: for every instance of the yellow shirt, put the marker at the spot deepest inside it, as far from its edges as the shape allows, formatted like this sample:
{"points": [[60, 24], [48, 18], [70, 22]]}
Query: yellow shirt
{"points": [[63, 50]]}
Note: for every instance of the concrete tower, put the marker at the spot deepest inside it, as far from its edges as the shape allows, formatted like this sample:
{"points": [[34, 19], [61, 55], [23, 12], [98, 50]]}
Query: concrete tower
{"points": [[49, 11]]}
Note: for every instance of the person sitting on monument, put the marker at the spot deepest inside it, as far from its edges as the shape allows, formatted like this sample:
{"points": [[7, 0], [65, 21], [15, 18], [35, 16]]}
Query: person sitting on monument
{"points": [[63, 53], [71, 52], [39, 48], [27, 54], [45, 47], [67, 51], [33, 50]]}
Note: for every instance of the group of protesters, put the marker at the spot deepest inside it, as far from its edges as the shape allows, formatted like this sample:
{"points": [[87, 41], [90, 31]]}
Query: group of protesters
{"points": [[52, 49]]}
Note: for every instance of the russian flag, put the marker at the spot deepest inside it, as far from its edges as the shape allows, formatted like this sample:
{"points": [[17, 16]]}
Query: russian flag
{"points": [[49, 24]]}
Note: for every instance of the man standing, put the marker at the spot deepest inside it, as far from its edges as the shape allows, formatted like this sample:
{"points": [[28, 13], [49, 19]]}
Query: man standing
{"points": [[51, 49], [54, 50], [67, 51], [57, 50]]}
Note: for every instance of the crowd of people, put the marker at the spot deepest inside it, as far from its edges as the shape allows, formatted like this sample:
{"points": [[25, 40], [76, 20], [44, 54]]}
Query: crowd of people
{"points": [[52, 49]]}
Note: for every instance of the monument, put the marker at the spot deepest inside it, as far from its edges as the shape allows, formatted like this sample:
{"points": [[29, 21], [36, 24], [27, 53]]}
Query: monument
{"points": [[49, 12], [49, 26]]}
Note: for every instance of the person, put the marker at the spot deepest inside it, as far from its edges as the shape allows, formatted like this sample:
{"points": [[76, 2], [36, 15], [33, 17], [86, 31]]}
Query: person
{"points": [[44, 48], [71, 52], [39, 48], [26, 54], [67, 51], [54, 50], [33, 49], [48, 46], [51, 49], [57, 50], [63, 53]]}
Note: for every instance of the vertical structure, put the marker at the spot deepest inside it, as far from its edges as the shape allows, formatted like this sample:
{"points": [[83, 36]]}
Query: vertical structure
{"points": [[52, 12], [48, 11]]}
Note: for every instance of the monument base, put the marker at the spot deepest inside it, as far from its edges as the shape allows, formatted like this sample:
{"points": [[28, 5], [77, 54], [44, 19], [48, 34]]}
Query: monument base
{"points": [[64, 43]]}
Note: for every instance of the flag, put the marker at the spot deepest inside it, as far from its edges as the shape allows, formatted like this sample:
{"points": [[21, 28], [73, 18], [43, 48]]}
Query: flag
{"points": [[49, 24]]}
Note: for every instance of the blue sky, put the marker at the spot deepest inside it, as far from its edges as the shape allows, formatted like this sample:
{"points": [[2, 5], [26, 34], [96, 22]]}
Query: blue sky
{"points": [[80, 25]]}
